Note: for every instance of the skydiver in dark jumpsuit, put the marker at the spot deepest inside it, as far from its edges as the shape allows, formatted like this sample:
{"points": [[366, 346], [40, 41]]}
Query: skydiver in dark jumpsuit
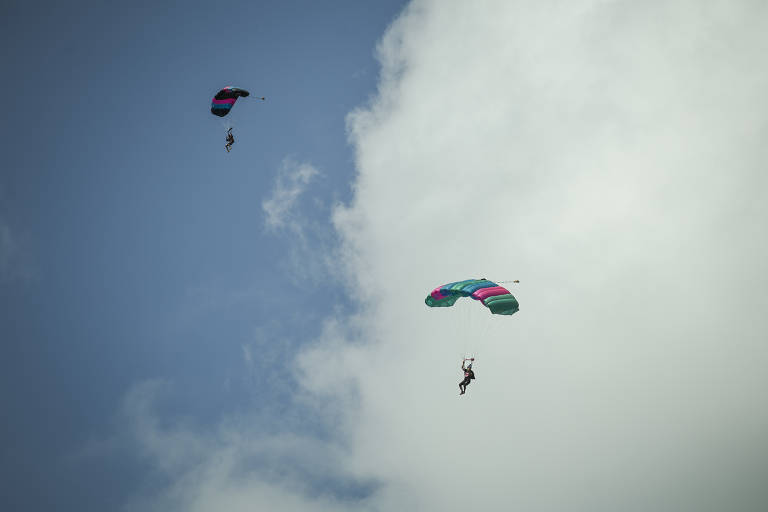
{"points": [[230, 140], [468, 375]]}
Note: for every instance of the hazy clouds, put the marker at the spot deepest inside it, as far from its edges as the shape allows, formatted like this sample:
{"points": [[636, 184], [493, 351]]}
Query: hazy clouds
{"points": [[291, 182], [611, 156]]}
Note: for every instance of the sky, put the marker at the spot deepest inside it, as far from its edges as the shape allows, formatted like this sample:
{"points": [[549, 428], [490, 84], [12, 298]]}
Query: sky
{"points": [[184, 328]]}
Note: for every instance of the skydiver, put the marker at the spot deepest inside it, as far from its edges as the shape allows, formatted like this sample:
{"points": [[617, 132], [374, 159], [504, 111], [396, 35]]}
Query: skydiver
{"points": [[230, 140], [468, 375]]}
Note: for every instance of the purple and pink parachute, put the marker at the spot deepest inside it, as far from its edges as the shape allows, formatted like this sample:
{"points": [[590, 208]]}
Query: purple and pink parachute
{"points": [[222, 103], [494, 297]]}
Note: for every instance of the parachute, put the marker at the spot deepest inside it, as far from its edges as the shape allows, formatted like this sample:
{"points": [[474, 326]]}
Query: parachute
{"points": [[494, 297], [222, 103]]}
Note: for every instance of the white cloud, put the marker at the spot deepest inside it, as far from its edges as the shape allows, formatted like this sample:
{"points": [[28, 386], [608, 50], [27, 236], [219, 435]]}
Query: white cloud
{"points": [[281, 208], [239, 467], [611, 155], [302, 222]]}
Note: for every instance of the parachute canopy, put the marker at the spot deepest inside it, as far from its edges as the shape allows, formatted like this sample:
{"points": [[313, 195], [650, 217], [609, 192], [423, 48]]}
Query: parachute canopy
{"points": [[494, 297], [225, 98]]}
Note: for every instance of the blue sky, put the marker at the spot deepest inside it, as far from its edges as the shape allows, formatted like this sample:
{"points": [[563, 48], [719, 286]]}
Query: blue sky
{"points": [[137, 246], [186, 329]]}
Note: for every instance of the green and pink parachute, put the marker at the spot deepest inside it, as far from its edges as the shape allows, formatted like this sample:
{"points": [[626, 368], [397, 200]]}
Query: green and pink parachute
{"points": [[494, 297]]}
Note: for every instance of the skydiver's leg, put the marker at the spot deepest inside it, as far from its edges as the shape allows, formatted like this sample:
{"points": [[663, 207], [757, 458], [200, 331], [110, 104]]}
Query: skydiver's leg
{"points": [[463, 386]]}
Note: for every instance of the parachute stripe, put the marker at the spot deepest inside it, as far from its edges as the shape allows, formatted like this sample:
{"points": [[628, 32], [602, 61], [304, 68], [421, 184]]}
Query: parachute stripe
{"points": [[443, 291], [446, 302], [489, 292], [478, 286], [502, 304], [460, 285], [452, 288], [437, 295]]}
